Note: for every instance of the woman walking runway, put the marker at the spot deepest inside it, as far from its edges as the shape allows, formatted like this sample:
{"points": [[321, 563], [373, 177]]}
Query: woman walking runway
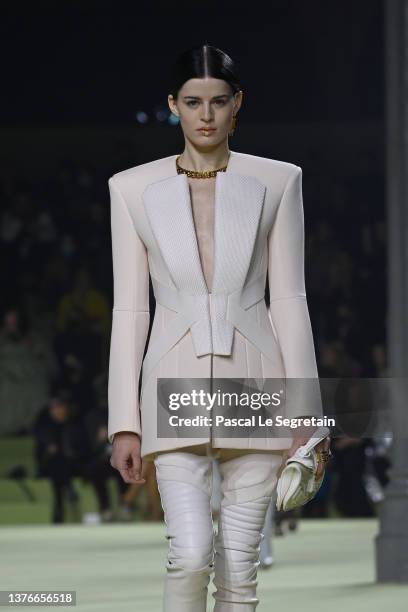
{"points": [[211, 227]]}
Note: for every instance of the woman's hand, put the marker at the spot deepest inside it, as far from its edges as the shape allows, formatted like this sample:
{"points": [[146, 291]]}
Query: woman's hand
{"points": [[126, 457], [300, 441]]}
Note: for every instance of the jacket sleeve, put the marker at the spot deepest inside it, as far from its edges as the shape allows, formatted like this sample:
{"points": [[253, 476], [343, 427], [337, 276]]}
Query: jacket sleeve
{"points": [[288, 304], [130, 318]]}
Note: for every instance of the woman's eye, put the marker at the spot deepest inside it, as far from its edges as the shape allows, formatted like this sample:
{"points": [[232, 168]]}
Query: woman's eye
{"points": [[193, 103]]}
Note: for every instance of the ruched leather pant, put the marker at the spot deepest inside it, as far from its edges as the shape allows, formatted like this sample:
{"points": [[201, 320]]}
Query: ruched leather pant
{"points": [[195, 551]]}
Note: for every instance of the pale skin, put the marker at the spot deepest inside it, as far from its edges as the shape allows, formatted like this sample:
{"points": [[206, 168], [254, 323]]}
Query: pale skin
{"points": [[201, 103]]}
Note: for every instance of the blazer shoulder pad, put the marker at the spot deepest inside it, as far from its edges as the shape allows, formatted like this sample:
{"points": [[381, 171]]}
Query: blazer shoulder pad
{"points": [[275, 173], [269, 162], [142, 174]]}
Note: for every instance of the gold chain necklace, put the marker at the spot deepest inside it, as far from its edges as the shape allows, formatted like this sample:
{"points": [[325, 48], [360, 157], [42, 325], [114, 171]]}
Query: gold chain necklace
{"points": [[199, 173]]}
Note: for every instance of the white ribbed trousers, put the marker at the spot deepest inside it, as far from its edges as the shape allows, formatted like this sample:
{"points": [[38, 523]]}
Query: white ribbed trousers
{"points": [[195, 550]]}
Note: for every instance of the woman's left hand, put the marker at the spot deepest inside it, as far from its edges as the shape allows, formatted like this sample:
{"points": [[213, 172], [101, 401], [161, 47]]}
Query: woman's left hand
{"points": [[300, 441]]}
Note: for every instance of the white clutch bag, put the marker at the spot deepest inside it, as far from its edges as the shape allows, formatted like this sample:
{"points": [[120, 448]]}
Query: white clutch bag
{"points": [[297, 483]]}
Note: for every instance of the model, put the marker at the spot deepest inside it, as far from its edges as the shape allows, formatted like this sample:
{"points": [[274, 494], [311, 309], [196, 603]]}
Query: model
{"points": [[211, 227]]}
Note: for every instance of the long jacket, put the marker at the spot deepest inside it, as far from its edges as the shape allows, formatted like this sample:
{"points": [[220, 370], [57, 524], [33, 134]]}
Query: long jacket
{"points": [[225, 333]]}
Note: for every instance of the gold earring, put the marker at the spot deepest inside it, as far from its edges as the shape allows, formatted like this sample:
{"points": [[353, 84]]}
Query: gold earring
{"points": [[233, 125]]}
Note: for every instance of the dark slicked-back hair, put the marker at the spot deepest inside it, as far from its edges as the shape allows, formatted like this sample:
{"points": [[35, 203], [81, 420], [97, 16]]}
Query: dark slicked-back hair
{"points": [[203, 61]]}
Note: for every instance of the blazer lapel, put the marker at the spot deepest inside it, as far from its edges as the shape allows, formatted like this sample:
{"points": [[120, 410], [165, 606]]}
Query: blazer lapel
{"points": [[167, 205], [238, 207]]}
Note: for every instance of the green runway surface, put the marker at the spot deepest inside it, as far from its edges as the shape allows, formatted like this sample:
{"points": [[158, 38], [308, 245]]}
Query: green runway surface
{"points": [[324, 566]]}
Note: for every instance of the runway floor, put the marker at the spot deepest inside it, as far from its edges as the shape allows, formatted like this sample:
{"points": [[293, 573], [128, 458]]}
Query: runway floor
{"points": [[324, 565]]}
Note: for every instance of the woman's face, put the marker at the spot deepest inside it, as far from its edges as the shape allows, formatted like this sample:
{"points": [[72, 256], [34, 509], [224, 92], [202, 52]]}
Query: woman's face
{"points": [[205, 103]]}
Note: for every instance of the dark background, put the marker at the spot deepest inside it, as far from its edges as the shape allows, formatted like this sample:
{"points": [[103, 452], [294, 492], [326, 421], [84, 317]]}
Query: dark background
{"points": [[98, 62]]}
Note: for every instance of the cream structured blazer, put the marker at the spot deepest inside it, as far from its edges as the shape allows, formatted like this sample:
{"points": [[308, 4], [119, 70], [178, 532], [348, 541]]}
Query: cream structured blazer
{"points": [[225, 333]]}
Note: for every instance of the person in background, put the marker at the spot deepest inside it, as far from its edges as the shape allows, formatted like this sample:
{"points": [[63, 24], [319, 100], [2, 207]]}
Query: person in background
{"points": [[61, 451]]}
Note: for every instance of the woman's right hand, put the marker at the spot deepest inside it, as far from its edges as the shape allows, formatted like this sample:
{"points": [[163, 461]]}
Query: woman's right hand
{"points": [[126, 457]]}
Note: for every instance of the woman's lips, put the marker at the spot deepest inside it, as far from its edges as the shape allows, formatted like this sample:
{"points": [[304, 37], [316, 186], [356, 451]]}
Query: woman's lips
{"points": [[206, 132]]}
